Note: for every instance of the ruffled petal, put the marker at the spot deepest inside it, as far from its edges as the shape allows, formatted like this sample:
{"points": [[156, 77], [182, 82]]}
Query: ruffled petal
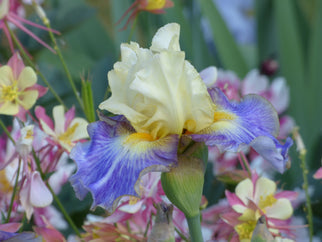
{"points": [[166, 38], [253, 121], [111, 164]]}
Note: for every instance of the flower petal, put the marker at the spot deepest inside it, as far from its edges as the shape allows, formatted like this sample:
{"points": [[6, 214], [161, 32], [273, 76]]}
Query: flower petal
{"points": [[9, 108], [253, 122], [16, 64], [112, 163], [264, 187], [166, 38], [59, 119], [27, 78], [271, 150], [281, 209], [40, 195], [244, 190], [6, 76], [28, 98]]}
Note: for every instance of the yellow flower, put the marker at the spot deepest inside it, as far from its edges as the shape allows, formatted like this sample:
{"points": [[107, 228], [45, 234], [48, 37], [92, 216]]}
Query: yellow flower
{"points": [[18, 88]]}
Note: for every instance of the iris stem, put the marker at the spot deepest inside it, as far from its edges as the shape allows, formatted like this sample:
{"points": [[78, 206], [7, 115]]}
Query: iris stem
{"points": [[59, 204], [62, 60], [195, 228], [27, 58], [13, 193]]}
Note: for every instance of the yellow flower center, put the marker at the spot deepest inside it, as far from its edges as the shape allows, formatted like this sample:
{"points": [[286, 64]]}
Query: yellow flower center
{"points": [[245, 230], [68, 135], [5, 185], [138, 137], [266, 201], [10, 93], [219, 116], [155, 4]]}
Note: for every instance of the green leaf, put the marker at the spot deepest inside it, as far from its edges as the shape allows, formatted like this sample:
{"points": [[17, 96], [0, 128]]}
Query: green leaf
{"points": [[228, 51], [87, 98]]}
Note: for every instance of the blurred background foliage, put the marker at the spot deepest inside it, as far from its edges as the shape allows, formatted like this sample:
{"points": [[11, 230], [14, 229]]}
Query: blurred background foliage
{"points": [[288, 31]]}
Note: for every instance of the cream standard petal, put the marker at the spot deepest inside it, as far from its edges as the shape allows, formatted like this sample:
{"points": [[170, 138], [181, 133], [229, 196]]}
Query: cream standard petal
{"points": [[166, 38], [175, 97], [160, 93]]}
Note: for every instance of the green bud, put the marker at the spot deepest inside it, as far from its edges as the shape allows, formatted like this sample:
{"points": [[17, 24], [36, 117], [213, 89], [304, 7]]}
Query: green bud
{"points": [[87, 98], [183, 185]]}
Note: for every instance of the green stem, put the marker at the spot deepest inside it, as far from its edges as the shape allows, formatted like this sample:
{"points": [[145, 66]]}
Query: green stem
{"points": [[307, 195], [302, 154], [62, 209], [13, 193], [60, 205], [62, 60], [195, 228], [7, 132], [30, 62]]}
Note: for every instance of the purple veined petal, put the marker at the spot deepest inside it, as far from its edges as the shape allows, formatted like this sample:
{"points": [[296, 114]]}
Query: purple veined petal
{"points": [[111, 164], [237, 124]]}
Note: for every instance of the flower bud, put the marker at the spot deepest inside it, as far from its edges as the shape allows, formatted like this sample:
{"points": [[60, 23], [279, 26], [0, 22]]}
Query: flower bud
{"points": [[183, 185]]}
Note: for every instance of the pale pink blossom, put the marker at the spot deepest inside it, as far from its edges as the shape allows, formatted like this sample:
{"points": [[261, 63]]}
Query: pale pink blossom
{"points": [[34, 193]]}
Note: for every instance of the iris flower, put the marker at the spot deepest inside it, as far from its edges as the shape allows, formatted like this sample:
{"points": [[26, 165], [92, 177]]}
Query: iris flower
{"points": [[159, 98]]}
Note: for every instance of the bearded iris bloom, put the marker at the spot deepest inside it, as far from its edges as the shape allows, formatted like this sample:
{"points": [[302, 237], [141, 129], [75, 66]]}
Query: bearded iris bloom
{"points": [[159, 98]]}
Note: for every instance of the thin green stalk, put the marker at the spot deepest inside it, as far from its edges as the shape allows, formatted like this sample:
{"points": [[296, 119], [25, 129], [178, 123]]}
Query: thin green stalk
{"points": [[195, 228], [62, 60], [30, 62], [307, 195], [13, 193], [184, 238], [7, 132], [60, 205], [62, 209], [302, 155]]}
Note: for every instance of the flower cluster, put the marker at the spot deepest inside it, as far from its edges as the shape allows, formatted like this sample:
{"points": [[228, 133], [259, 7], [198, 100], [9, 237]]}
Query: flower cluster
{"points": [[145, 161]]}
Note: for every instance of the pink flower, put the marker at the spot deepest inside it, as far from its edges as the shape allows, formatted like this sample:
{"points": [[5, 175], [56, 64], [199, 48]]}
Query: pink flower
{"points": [[9, 13], [318, 174], [256, 197], [18, 88], [66, 130]]}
